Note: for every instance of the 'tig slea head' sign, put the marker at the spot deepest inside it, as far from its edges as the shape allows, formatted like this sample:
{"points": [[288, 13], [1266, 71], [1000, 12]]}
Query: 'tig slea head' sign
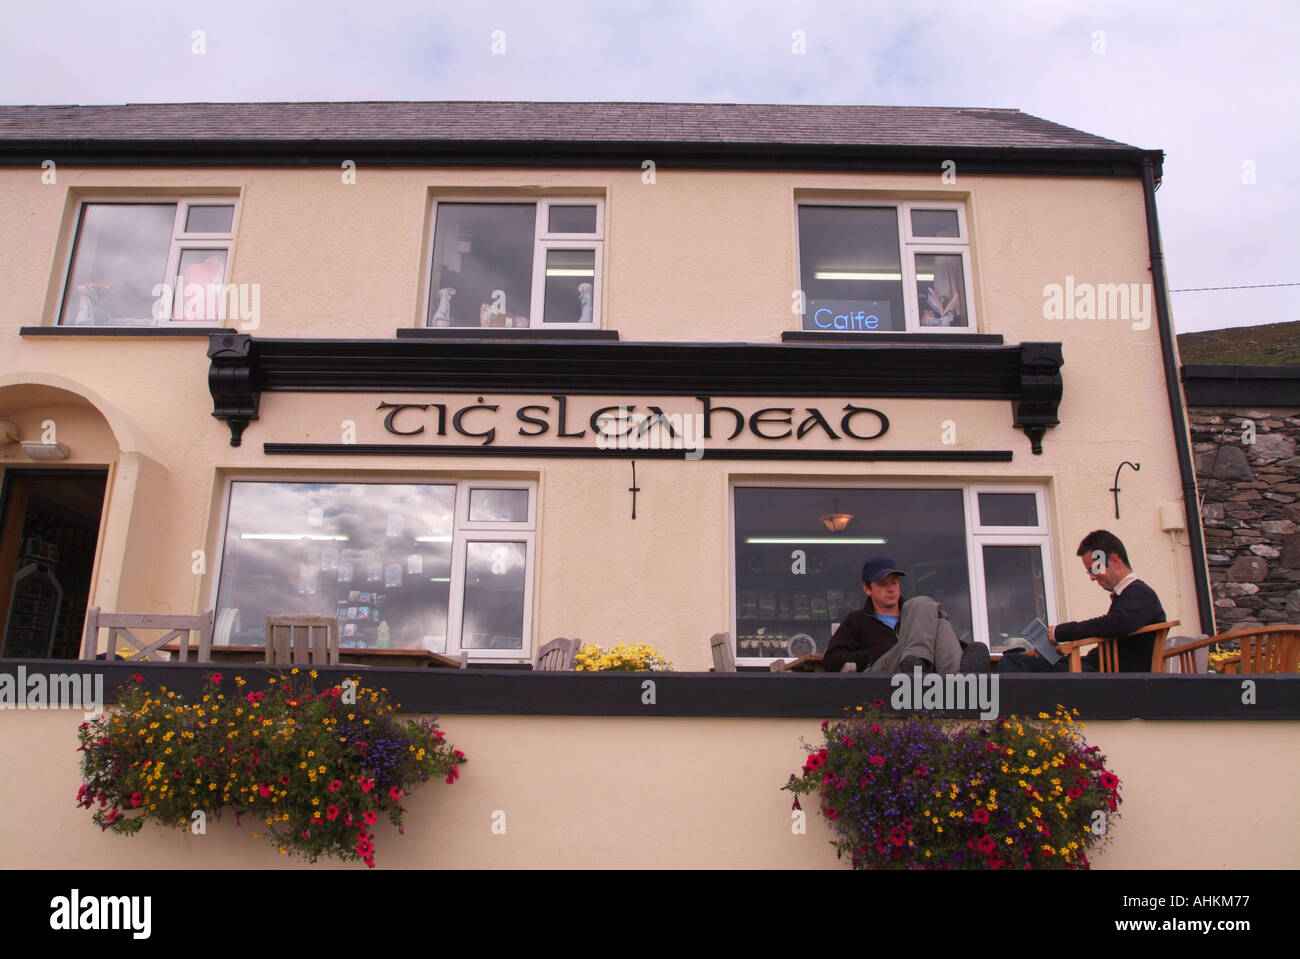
{"points": [[631, 425]]}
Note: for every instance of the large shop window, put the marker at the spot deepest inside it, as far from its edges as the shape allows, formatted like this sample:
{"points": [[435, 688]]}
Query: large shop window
{"points": [[443, 567], [983, 552], [149, 263], [517, 265], [885, 268]]}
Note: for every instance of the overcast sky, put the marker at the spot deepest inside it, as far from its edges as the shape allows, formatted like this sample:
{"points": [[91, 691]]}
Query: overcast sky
{"points": [[1213, 84]]}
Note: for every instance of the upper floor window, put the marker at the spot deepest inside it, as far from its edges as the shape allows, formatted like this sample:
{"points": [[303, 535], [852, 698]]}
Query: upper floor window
{"points": [[516, 264], [885, 268], [149, 263]]}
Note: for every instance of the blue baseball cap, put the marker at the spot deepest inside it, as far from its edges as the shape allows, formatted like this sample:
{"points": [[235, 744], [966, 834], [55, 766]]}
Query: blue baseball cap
{"points": [[877, 568]]}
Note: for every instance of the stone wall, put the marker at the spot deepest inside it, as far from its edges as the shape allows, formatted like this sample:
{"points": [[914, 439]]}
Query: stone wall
{"points": [[1250, 488]]}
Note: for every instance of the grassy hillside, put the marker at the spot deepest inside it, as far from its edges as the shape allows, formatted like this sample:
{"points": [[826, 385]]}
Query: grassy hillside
{"points": [[1277, 344]]}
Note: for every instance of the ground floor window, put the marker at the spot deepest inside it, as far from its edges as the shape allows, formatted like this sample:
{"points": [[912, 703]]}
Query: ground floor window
{"points": [[444, 567], [981, 551]]}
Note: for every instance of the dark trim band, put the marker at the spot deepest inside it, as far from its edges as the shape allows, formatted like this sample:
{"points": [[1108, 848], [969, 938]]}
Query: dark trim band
{"points": [[587, 155], [204, 331], [472, 334], [958, 339], [587, 452], [745, 694], [1237, 386]]}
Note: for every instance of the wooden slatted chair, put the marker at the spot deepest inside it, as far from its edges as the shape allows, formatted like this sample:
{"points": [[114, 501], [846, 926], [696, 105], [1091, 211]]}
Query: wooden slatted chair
{"points": [[1108, 649], [1266, 649], [120, 626], [1187, 655], [302, 640], [724, 657], [557, 655]]}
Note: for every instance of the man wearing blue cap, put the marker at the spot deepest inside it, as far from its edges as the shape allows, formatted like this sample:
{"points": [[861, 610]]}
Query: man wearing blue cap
{"points": [[891, 634]]}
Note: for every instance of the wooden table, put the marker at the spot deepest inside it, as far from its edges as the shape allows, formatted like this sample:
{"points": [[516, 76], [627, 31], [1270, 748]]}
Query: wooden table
{"points": [[809, 663], [348, 656], [812, 663]]}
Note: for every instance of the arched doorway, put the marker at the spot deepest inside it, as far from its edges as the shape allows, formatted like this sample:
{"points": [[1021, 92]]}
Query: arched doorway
{"points": [[56, 453]]}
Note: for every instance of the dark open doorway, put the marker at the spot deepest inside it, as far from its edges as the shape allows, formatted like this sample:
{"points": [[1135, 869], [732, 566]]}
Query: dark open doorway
{"points": [[49, 525]]}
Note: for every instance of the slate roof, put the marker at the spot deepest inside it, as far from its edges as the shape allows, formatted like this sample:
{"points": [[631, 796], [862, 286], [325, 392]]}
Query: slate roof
{"points": [[550, 122]]}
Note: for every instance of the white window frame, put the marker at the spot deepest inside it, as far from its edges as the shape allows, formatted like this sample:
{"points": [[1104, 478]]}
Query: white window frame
{"points": [[977, 536], [543, 240], [908, 246], [463, 533], [180, 241]]}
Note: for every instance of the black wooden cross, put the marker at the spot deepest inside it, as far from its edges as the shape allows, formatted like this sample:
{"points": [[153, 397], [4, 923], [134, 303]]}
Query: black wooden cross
{"points": [[634, 489]]}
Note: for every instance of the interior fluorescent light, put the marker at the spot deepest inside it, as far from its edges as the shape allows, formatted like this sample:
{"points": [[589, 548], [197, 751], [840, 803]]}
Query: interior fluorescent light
{"points": [[856, 276], [433, 539], [319, 537], [925, 277], [796, 540], [440, 579], [556, 271]]}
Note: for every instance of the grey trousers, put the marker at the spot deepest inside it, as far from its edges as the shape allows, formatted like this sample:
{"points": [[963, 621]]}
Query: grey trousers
{"points": [[923, 631]]}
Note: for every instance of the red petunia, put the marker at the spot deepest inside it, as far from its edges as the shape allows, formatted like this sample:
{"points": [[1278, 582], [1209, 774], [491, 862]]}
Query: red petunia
{"points": [[335, 786], [365, 784], [284, 780], [921, 771], [111, 816], [255, 697], [846, 741], [264, 790], [216, 678], [980, 816], [394, 794], [332, 812], [832, 814], [877, 760], [369, 817], [1109, 780], [1074, 792], [438, 734], [453, 775], [877, 703], [137, 677], [460, 756], [136, 799]]}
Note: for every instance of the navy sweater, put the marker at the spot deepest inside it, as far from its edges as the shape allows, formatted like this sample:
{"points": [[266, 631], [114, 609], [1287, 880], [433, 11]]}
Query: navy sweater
{"points": [[1132, 609]]}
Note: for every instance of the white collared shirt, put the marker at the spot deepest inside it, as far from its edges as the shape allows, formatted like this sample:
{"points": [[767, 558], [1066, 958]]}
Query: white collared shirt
{"points": [[1123, 583]]}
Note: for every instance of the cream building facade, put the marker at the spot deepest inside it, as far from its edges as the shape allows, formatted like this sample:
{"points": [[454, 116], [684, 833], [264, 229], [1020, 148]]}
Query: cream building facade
{"points": [[480, 375]]}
